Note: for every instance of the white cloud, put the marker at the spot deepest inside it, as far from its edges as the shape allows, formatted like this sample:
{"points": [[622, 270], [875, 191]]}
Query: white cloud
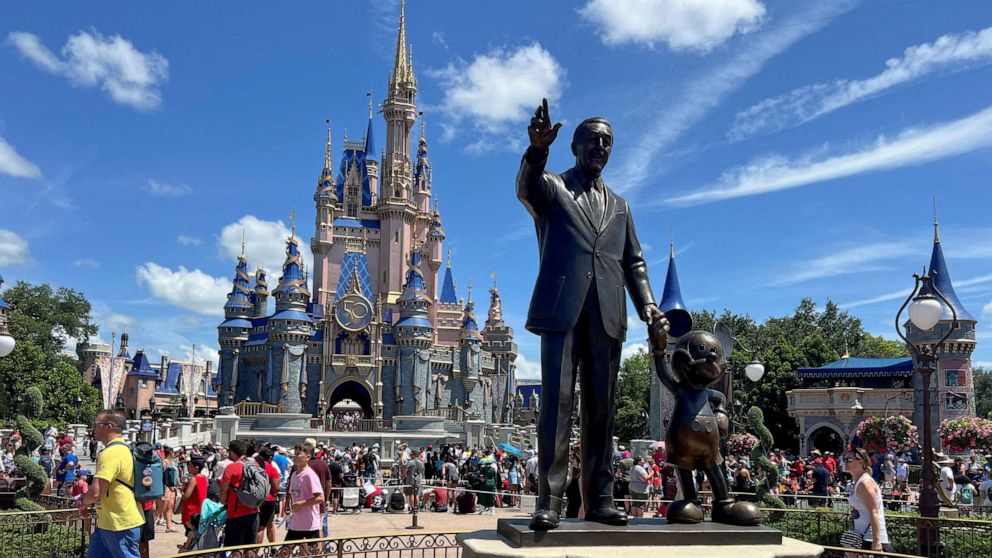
{"points": [[903, 293], [438, 38], [14, 249], [910, 148], [13, 164], [703, 94], [864, 257], [698, 25], [89, 59], [987, 310], [983, 364], [164, 190], [952, 52], [192, 290], [526, 369], [86, 262], [631, 349], [265, 244], [500, 87], [188, 240]]}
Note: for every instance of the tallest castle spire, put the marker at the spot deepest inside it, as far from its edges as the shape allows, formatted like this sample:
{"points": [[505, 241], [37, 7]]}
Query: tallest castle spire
{"points": [[402, 66]]}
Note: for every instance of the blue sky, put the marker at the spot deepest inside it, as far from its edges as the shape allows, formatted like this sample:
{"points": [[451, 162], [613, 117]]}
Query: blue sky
{"points": [[791, 148]]}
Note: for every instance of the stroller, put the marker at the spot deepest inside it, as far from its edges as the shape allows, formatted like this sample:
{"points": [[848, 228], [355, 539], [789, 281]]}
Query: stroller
{"points": [[352, 499], [210, 528]]}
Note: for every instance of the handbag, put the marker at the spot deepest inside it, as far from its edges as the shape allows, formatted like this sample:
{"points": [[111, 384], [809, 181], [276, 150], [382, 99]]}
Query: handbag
{"points": [[852, 539]]}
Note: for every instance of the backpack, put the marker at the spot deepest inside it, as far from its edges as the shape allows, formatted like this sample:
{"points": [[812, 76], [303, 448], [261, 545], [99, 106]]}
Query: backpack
{"points": [[46, 463], [967, 495], [49, 444], [370, 459], [147, 468], [171, 476], [254, 486]]}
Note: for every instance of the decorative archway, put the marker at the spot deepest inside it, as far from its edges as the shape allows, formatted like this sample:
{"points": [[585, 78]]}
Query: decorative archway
{"points": [[826, 437], [354, 390]]}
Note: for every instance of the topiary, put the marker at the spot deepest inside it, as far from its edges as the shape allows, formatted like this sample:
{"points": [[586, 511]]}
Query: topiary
{"points": [[759, 455], [31, 438], [36, 476], [24, 504], [34, 403]]}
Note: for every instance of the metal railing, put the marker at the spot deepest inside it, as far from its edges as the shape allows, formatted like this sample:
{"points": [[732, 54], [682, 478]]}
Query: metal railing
{"points": [[54, 502], [52, 534], [420, 545], [948, 538]]}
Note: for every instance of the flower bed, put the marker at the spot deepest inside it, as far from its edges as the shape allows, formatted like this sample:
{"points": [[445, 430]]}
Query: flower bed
{"points": [[741, 443]]}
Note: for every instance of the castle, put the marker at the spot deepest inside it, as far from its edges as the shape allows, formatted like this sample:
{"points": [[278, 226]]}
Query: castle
{"points": [[381, 327]]}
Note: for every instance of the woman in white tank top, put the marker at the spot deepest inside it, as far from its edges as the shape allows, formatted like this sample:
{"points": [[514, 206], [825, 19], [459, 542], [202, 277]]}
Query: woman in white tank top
{"points": [[866, 502]]}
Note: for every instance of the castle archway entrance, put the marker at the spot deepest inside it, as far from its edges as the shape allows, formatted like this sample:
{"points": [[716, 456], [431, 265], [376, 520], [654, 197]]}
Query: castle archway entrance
{"points": [[826, 438], [355, 394]]}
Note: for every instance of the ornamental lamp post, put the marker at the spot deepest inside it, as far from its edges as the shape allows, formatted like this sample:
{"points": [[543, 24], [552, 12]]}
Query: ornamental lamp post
{"points": [[6, 339], [925, 311], [753, 371]]}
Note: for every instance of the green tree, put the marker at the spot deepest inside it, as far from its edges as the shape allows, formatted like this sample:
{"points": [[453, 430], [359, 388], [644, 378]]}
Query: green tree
{"points": [[982, 380], [34, 403], [633, 403], [42, 320], [879, 347]]}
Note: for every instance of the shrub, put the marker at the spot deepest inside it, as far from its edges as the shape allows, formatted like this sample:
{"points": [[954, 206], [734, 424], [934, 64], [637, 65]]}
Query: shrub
{"points": [[35, 474], [34, 403], [31, 438], [23, 504]]}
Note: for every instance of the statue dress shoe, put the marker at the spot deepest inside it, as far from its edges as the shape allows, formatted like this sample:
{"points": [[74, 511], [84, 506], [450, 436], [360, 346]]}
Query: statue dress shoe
{"points": [[609, 516], [684, 511], [736, 513], [544, 520]]}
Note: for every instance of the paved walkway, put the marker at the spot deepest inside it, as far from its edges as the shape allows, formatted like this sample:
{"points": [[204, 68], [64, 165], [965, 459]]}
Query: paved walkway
{"points": [[368, 524]]}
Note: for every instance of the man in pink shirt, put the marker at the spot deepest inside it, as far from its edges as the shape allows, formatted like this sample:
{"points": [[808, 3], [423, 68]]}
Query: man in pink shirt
{"points": [[306, 495]]}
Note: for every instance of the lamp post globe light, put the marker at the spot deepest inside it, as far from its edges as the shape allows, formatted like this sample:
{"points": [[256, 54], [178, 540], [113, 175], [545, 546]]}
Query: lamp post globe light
{"points": [[925, 311], [6, 339]]}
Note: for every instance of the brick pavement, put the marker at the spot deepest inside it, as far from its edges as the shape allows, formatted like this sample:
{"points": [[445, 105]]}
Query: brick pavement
{"points": [[367, 523]]}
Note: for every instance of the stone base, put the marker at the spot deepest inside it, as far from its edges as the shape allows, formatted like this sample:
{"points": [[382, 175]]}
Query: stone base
{"points": [[639, 532], [282, 421], [643, 538]]}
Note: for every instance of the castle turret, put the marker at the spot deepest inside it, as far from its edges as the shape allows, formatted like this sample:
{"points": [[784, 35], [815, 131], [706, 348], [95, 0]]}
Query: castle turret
{"points": [[498, 341], [233, 332], [449, 312], [261, 294], [422, 176], [414, 335], [396, 209], [370, 163], [954, 387], [325, 199], [290, 329]]}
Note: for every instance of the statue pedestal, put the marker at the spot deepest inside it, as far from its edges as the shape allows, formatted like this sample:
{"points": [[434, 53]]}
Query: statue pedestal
{"points": [[641, 538]]}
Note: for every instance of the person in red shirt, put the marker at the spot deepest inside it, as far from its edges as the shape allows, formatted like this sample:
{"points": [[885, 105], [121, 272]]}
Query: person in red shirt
{"points": [[830, 463], [193, 496], [267, 511], [242, 521]]}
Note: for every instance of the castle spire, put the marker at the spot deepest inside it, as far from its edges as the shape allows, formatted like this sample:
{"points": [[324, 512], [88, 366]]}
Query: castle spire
{"points": [[942, 279], [402, 71], [369, 139], [671, 297], [936, 233], [448, 292]]}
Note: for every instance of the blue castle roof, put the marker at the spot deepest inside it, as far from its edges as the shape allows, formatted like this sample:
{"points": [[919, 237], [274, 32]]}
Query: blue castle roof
{"points": [[448, 294], [352, 262], [358, 157], [292, 315], [2, 303], [239, 295], [860, 368], [356, 223], [369, 140], [671, 297], [142, 367], [942, 281], [292, 279]]}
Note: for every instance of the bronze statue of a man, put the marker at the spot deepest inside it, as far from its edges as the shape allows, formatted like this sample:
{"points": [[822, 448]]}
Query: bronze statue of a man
{"points": [[589, 254]]}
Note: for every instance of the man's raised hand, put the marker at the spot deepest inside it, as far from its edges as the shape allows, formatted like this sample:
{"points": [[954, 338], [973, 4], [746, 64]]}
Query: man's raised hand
{"points": [[542, 133]]}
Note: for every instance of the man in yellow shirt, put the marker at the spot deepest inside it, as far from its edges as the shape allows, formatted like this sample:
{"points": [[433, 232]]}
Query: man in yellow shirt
{"points": [[118, 517]]}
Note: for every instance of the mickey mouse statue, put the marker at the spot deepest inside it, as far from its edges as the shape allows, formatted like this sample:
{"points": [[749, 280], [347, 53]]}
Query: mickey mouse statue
{"points": [[699, 422]]}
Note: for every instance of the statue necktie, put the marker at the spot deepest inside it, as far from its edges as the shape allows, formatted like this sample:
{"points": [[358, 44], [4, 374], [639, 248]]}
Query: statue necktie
{"points": [[595, 203]]}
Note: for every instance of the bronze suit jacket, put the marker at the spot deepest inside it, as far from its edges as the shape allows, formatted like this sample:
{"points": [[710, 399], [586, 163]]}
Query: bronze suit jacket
{"points": [[575, 250]]}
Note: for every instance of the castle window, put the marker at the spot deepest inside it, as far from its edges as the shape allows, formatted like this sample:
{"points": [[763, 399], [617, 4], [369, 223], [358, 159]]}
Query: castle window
{"points": [[396, 237]]}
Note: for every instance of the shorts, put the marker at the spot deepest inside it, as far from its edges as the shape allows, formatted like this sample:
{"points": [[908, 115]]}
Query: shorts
{"points": [[301, 535], [408, 490], [114, 544], [638, 499], [241, 530], [266, 512], [148, 529]]}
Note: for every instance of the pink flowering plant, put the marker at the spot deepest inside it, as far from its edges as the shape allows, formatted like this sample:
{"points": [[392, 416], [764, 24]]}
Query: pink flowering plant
{"points": [[888, 434], [966, 433], [741, 443]]}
